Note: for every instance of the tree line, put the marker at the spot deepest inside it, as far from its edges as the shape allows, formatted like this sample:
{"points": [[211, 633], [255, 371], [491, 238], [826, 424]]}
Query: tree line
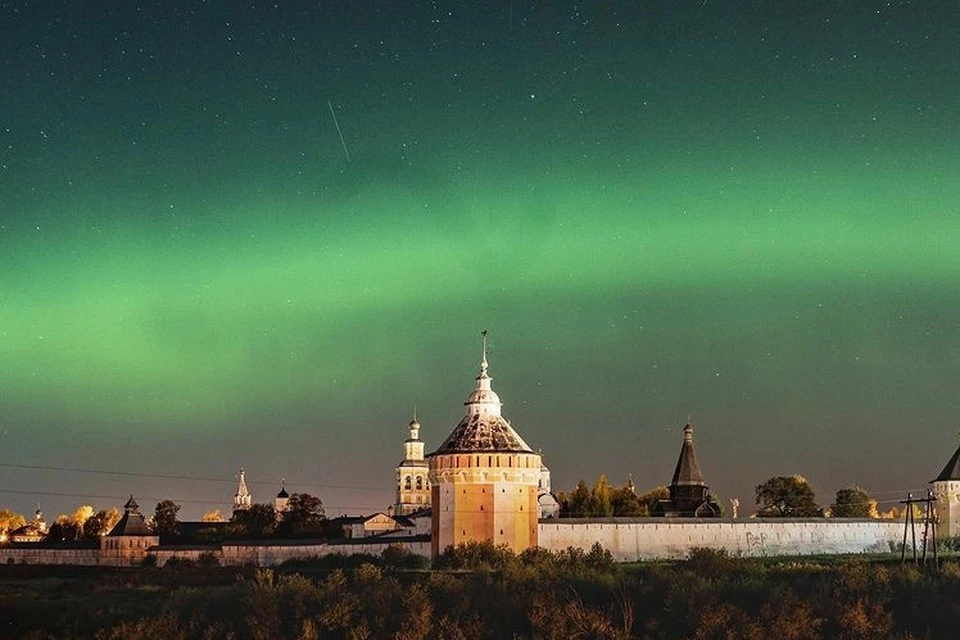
{"points": [[304, 516], [778, 497]]}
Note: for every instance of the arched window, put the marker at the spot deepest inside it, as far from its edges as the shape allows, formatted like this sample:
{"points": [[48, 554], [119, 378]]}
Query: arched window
{"points": [[407, 483], [419, 483]]}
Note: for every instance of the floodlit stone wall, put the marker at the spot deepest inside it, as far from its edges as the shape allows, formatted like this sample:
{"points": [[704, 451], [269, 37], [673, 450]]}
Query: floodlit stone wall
{"points": [[46, 555], [632, 539], [628, 539], [265, 555]]}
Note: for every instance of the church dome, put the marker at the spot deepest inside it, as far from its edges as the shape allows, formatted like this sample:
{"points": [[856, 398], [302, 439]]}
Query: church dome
{"points": [[483, 428]]}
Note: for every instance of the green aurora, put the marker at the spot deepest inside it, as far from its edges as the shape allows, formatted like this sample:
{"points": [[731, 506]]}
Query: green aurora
{"points": [[762, 235]]}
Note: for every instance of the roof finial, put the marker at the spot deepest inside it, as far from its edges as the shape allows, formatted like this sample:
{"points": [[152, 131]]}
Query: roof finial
{"points": [[414, 413], [483, 362]]}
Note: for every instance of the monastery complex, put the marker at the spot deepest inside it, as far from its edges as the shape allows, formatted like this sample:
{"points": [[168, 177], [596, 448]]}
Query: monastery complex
{"points": [[485, 483]]}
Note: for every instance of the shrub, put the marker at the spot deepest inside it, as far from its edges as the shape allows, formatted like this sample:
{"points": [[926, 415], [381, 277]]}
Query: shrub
{"points": [[476, 556], [399, 557], [177, 562], [708, 561]]}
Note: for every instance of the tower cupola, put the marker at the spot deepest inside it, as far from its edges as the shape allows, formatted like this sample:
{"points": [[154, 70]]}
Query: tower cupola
{"points": [[242, 498]]}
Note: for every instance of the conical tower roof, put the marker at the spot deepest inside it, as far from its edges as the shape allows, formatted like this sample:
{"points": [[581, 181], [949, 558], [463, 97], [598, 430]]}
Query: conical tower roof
{"points": [[132, 523], [952, 470], [687, 472], [483, 428]]}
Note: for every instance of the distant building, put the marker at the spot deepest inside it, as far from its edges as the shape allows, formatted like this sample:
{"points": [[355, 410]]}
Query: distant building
{"points": [[689, 496], [280, 503], [130, 538], [946, 489], [242, 498], [485, 478], [33, 531], [382, 525], [413, 475], [546, 502]]}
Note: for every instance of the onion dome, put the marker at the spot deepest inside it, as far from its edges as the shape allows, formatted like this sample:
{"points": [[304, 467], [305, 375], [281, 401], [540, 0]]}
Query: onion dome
{"points": [[483, 428]]}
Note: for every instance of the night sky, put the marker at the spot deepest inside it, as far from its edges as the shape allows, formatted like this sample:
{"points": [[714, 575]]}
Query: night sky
{"points": [[742, 212]]}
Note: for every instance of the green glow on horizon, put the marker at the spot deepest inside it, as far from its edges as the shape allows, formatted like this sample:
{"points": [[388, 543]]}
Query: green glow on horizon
{"points": [[130, 324]]}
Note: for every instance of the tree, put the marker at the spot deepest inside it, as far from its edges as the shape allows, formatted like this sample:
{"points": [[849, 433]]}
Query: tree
{"points": [[304, 516], [650, 499], [94, 527], [605, 500], [578, 503], [64, 529], [625, 503], [258, 521], [787, 497], [81, 515], [601, 498], [165, 521], [9, 521], [113, 517], [213, 516], [100, 523], [853, 502]]}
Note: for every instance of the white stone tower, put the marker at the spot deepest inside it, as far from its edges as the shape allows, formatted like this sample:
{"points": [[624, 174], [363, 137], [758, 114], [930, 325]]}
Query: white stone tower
{"points": [[946, 489], [38, 520], [242, 499], [413, 474], [484, 478], [547, 503], [280, 504]]}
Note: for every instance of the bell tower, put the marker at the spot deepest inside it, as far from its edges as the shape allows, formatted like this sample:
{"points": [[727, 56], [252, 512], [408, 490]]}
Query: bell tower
{"points": [[413, 481]]}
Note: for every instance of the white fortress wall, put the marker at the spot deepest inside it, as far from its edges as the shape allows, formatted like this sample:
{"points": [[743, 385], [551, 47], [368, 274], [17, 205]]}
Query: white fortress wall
{"points": [[628, 539], [631, 539]]}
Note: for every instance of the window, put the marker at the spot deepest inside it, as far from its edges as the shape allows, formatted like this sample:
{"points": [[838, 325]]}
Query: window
{"points": [[407, 483], [419, 483]]}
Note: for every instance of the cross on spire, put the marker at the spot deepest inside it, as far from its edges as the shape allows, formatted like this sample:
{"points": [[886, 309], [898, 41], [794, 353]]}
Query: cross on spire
{"points": [[483, 361]]}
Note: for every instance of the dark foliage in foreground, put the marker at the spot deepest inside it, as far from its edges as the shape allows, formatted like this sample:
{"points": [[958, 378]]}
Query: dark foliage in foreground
{"points": [[488, 592]]}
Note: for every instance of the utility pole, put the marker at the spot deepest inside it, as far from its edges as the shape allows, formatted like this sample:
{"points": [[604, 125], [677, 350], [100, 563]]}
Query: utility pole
{"points": [[929, 536]]}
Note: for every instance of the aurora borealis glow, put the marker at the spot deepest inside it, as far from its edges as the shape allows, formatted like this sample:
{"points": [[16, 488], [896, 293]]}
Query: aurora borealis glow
{"points": [[748, 215]]}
